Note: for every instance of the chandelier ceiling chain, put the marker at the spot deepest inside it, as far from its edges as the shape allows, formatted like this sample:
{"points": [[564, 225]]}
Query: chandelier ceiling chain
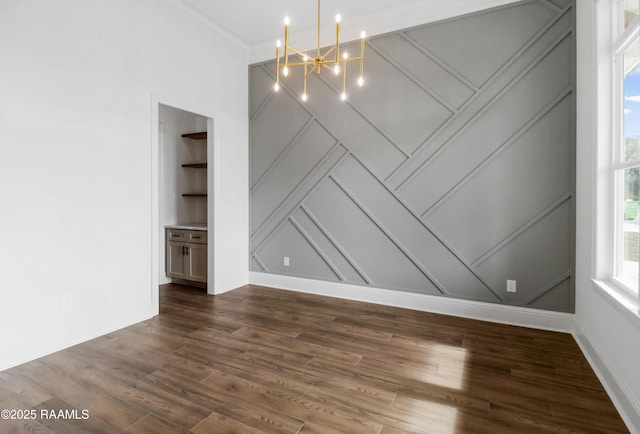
{"points": [[330, 59]]}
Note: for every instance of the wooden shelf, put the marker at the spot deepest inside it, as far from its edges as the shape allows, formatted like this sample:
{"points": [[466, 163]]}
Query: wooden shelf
{"points": [[195, 165], [194, 194], [196, 136]]}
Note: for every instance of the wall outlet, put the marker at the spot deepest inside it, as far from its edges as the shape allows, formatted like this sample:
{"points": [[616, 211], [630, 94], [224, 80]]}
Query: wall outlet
{"points": [[66, 301], [286, 261], [511, 286]]}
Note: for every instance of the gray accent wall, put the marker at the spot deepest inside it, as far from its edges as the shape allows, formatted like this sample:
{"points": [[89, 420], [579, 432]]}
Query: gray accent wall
{"points": [[449, 172]]}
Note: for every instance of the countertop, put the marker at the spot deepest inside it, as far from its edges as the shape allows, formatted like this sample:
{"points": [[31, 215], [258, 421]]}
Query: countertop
{"points": [[188, 226]]}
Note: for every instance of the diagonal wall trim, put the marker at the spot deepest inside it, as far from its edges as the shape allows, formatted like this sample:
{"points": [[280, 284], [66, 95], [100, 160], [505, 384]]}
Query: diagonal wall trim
{"points": [[264, 102], [281, 156], [347, 103], [484, 97], [526, 127], [260, 262], [554, 7], [439, 61], [478, 115], [552, 284], [333, 241], [413, 78], [369, 121], [390, 236], [522, 229], [433, 232], [474, 195], [317, 249], [260, 240]]}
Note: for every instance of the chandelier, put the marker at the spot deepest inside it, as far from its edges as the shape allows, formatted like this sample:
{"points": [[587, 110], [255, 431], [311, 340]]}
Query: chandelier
{"points": [[330, 59]]}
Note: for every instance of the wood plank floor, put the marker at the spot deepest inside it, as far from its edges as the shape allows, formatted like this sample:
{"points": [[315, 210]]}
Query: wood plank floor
{"points": [[262, 360]]}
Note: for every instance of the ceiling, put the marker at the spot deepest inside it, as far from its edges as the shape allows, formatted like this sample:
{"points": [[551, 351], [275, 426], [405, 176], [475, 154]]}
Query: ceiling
{"points": [[259, 23], [255, 21]]}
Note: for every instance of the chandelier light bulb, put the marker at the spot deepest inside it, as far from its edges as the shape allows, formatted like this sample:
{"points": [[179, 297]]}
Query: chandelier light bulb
{"points": [[285, 71], [362, 34], [286, 21], [345, 56], [276, 87], [305, 58], [278, 43], [304, 97], [343, 96], [336, 69], [360, 81], [338, 18]]}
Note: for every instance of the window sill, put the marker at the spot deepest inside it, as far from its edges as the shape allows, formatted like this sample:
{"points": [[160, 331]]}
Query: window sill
{"points": [[620, 299]]}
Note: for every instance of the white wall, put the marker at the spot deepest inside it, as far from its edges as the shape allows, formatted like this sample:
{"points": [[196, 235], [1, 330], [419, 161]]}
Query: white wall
{"points": [[77, 82], [609, 336]]}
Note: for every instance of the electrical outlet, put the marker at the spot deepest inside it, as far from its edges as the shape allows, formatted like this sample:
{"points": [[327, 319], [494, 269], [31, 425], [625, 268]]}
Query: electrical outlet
{"points": [[66, 301], [511, 286], [286, 261]]}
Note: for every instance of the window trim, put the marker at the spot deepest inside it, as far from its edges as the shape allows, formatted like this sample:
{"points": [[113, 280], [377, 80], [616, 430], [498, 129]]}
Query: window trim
{"points": [[611, 42]]}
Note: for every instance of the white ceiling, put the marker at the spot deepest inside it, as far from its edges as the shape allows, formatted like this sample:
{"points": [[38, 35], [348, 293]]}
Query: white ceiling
{"points": [[255, 21], [259, 23]]}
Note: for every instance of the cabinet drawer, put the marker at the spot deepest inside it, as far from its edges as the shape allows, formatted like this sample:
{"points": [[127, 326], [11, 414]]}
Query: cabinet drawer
{"points": [[177, 235], [199, 237]]}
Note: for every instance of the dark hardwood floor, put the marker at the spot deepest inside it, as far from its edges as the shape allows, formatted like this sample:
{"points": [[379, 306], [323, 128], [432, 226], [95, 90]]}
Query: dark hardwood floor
{"points": [[263, 360]]}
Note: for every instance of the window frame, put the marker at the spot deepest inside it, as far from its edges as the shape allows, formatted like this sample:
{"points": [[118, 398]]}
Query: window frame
{"points": [[622, 41], [611, 41]]}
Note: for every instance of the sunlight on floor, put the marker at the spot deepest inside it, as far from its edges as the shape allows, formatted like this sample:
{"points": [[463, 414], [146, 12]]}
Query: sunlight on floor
{"points": [[450, 374]]}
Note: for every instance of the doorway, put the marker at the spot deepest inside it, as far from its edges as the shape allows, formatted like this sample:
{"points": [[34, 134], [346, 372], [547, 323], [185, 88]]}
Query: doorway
{"points": [[182, 203]]}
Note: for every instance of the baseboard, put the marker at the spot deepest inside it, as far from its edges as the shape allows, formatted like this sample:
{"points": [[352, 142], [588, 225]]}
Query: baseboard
{"points": [[622, 398], [533, 318], [71, 335]]}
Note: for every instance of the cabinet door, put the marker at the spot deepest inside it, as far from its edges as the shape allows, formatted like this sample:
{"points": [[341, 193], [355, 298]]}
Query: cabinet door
{"points": [[197, 262], [175, 260]]}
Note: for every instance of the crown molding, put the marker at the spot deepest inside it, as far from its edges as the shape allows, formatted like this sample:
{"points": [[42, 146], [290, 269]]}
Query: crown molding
{"points": [[409, 14], [206, 26]]}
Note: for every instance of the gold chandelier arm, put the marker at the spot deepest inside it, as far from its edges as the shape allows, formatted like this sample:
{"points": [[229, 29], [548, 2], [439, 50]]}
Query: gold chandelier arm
{"points": [[293, 64], [318, 28], [277, 66], [298, 52], [362, 56], [337, 46], [344, 79], [286, 44], [311, 71], [329, 51]]}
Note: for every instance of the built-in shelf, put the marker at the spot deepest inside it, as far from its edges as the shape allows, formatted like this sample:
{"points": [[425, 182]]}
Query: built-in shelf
{"points": [[196, 165], [196, 136]]}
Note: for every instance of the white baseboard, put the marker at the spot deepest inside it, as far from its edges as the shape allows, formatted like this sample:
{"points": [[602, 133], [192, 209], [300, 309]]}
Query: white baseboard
{"points": [[622, 398], [82, 331], [533, 318]]}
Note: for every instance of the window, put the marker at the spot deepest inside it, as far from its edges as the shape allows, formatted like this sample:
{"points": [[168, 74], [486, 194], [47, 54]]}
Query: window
{"points": [[626, 149], [630, 10]]}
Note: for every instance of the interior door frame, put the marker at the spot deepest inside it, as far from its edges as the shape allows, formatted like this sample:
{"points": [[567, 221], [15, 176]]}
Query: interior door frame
{"points": [[157, 237]]}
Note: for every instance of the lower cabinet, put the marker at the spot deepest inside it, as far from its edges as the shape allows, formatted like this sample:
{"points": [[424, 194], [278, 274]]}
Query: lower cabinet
{"points": [[186, 254]]}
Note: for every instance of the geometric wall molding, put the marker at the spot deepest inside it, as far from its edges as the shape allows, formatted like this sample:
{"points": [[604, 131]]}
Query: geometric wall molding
{"points": [[450, 172]]}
